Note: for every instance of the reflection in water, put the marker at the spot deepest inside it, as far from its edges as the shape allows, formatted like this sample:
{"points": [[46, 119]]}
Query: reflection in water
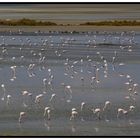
{"points": [[47, 124], [73, 127], [96, 129]]}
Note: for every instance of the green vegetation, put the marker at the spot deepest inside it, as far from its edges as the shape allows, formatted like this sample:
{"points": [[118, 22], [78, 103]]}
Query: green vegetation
{"points": [[31, 22], [26, 22], [114, 23]]}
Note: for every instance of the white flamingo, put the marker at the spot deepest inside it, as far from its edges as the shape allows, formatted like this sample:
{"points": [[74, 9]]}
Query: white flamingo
{"points": [[21, 116], [47, 112], [74, 113]]}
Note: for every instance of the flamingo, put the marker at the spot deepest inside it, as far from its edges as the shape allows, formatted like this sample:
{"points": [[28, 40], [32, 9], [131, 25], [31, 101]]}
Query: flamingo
{"points": [[97, 111], [21, 116], [14, 73], [73, 114], [4, 92]]}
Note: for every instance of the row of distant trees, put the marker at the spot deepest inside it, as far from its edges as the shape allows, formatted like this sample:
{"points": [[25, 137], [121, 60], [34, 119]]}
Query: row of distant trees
{"points": [[114, 23], [25, 22], [32, 22]]}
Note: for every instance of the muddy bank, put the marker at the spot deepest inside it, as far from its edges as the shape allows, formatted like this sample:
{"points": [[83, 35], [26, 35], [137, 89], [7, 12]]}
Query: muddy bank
{"points": [[69, 28]]}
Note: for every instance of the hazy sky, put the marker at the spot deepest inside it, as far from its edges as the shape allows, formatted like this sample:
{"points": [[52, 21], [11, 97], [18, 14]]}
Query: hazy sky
{"points": [[70, 13], [71, 7]]}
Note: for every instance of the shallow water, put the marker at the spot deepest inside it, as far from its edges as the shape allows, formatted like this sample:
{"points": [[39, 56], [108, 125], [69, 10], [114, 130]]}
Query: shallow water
{"points": [[57, 50]]}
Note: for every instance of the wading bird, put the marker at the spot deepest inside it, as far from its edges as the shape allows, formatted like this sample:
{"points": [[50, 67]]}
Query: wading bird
{"points": [[97, 111], [8, 100], [14, 73], [74, 113], [4, 92], [106, 105], [47, 112], [21, 116], [38, 99]]}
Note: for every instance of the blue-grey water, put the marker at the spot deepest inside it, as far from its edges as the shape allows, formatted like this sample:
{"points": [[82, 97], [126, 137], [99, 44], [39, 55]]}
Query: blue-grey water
{"points": [[71, 57]]}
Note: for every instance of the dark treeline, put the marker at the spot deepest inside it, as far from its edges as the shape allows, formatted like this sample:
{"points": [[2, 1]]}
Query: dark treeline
{"points": [[114, 23], [26, 22], [31, 22]]}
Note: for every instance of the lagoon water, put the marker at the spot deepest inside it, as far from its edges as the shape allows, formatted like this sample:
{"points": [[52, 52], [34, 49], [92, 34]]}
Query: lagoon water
{"points": [[57, 49]]}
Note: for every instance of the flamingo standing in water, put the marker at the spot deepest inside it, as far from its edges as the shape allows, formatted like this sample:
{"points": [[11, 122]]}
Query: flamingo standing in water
{"points": [[14, 73], [4, 92], [44, 85], [68, 90], [21, 116], [125, 112], [97, 111], [38, 99], [81, 109], [74, 113], [47, 112], [8, 99]]}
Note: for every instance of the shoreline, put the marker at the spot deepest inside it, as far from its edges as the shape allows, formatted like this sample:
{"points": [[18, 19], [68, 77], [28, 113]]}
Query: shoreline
{"points": [[69, 28]]}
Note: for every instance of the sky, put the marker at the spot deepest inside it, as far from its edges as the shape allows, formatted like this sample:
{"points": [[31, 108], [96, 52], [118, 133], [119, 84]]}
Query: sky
{"points": [[70, 13], [97, 7]]}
